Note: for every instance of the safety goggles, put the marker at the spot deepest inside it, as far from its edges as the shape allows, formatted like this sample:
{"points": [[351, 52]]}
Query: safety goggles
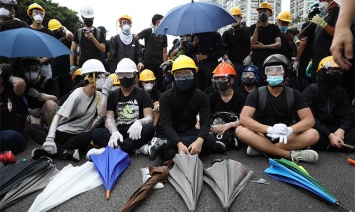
{"points": [[123, 75], [124, 22], [37, 12], [100, 75], [220, 78], [248, 75], [184, 75], [274, 70], [31, 67], [332, 71]]}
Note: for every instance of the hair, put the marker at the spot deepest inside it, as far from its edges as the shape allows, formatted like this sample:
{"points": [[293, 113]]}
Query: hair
{"points": [[156, 18]]}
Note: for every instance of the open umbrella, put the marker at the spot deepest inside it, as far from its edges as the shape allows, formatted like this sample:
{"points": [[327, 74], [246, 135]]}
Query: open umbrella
{"points": [[14, 174], [110, 164], [227, 179], [25, 42], [69, 182], [28, 186], [289, 172], [157, 174], [194, 17], [186, 177]]}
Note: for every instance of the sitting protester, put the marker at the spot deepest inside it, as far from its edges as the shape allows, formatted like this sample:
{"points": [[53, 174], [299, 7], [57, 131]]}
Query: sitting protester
{"points": [[249, 78]]}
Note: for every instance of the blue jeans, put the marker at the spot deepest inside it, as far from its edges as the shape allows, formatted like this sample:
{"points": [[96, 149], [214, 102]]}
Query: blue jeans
{"points": [[12, 140]]}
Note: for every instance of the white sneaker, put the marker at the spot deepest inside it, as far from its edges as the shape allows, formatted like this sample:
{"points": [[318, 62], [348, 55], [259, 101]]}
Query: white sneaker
{"points": [[142, 150], [252, 152], [95, 152], [307, 155]]}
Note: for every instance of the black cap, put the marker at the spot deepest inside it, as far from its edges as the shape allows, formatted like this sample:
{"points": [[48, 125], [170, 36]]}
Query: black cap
{"points": [[102, 28]]}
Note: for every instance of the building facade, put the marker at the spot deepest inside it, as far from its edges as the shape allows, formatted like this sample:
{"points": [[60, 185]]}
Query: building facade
{"points": [[298, 9]]}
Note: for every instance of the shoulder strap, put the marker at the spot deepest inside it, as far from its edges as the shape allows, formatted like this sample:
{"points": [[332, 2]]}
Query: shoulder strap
{"points": [[44, 82], [262, 91], [290, 98]]}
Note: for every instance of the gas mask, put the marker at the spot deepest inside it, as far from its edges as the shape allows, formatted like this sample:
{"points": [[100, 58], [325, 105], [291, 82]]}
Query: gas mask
{"points": [[220, 86], [38, 18]]}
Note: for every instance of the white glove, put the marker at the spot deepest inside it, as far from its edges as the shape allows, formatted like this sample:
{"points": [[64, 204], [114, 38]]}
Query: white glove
{"points": [[319, 21], [280, 129], [282, 137], [247, 61], [34, 93], [49, 146], [296, 64], [135, 130], [106, 88], [115, 136]]}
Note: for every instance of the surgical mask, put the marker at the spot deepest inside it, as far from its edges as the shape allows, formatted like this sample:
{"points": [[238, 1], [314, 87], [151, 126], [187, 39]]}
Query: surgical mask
{"points": [[322, 5], [283, 29], [99, 83], [4, 12], [126, 29], [148, 87], [127, 82], [275, 80], [38, 18], [31, 75], [248, 81], [88, 22], [295, 38], [184, 85], [220, 86]]}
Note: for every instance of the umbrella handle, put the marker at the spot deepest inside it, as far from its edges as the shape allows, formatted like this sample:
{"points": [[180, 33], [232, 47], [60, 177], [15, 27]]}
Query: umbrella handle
{"points": [[338, 204], [108, 192]]}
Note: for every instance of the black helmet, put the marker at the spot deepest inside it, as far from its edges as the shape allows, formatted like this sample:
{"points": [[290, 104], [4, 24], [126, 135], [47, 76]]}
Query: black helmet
{"points": [[278, 59], [10, 5]]}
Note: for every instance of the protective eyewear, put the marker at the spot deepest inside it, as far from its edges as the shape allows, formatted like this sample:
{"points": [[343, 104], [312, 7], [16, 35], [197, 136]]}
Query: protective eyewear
{"points": [[31, 67], [123, 75], [224, 78], [274, 70], [332, 71], [98, 76], [248, 75], [37, 12], [124, 22], [184, 76]]}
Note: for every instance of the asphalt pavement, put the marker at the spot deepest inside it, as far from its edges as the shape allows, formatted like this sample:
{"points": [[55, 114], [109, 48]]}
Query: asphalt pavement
{"points": [[332, 170]]}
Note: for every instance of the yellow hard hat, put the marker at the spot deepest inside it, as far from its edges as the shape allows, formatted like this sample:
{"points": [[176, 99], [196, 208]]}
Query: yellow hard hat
{"points": [[54, 24], [125, 16], [235, 11], [76, 73], [34, 6], [116, 81], [146, 75], [327, 62], [285, 16], [265, 5], [183, 62]]}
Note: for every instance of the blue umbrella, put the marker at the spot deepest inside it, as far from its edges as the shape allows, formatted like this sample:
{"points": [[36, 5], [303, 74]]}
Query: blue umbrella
{"points": [[289, 172], [194, 17], [110, 165], [25, 42]]}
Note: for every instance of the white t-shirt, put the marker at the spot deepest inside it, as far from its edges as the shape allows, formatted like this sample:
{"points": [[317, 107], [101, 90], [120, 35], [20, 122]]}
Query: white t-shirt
{"points": [[75, 106]]}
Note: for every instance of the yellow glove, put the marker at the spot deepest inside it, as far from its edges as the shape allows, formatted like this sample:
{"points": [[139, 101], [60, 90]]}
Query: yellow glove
{"points": [[319, 21]]}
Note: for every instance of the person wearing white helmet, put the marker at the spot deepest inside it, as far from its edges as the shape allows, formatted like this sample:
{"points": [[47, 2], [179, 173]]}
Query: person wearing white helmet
{"points": [[69, 131], [90, 39], [129, 115]]}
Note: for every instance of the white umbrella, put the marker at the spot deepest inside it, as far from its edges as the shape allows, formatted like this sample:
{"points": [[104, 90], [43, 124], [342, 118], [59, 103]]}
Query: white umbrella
{"points": [[69, 182]]}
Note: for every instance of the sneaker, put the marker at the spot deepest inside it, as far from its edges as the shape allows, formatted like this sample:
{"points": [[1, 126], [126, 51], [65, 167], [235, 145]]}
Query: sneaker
{"points": [[70, 155], [94, 151], [252, 152], [39, 152], [156, 147], [307, 155], [142, 150], [219, 147]]}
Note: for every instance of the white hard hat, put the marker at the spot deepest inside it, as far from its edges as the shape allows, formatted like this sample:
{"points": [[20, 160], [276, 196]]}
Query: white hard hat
{"points": [[93, 66], [87, 12], [126, 65]]}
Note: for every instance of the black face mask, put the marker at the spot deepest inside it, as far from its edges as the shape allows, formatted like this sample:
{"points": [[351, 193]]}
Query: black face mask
{"points": [[184, 85], [59, 34], [263, 17], [332, 79], [127, 82], [248, 81], [88, 22], [220, 86]]}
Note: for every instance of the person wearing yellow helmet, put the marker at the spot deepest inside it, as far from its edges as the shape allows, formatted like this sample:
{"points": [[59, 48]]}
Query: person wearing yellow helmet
{"points": [[331, 108], [236, 41], [179, 107], [125, 45], [288, 45]]}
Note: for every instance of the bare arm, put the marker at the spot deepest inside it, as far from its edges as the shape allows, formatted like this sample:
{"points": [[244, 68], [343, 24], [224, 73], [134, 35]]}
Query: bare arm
{"points": [[247, 121], [18, 84], [306, 121]]}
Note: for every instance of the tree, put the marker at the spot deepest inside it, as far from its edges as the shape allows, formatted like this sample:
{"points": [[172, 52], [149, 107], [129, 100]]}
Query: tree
{"points": [[297, 20], [66, 16]]}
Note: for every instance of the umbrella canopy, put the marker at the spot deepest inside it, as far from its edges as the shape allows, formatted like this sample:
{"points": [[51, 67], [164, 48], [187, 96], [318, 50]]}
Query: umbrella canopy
{"points": [[14, 174], [110, 164], [157, 174], [194, 17], [186, 177], [25, 42], [28, 186], [69, 182], [289, 172], [227, 178]]}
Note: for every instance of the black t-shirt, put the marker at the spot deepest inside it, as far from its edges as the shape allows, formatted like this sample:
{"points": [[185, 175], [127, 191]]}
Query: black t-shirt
{"points": [[266, 36], [242, 90], [322, 40], [276, 109], [308, 51], [286, 49], [129, 108], [238, 44], [44, 30], [87, 47], [155, 95], [51, 87], [154, 45]]}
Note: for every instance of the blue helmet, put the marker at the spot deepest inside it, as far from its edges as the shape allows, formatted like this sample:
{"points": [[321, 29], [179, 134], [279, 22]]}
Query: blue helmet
{"points": [[249, 80]]}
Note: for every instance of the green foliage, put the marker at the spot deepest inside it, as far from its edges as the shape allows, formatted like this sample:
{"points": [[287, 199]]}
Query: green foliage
{"points": [[66, 16], [297, 20]]}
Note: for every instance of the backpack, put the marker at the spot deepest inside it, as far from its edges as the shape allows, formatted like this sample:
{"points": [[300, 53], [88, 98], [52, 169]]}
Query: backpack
{"points": [[80, 33]]}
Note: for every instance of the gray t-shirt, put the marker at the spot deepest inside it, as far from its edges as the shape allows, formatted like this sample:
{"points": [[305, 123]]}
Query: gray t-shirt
{"points": [[75, 106]]}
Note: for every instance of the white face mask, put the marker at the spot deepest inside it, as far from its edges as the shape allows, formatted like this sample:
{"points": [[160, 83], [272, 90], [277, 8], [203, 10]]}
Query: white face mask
{"points": [[31, 76], [322, 5], [38, 18], [99, 83], [4, 12], [126, 29], [148, 87]]}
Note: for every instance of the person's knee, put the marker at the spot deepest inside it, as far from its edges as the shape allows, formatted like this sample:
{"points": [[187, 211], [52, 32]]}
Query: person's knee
{"points": [[242, 133], [312, 136]]}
